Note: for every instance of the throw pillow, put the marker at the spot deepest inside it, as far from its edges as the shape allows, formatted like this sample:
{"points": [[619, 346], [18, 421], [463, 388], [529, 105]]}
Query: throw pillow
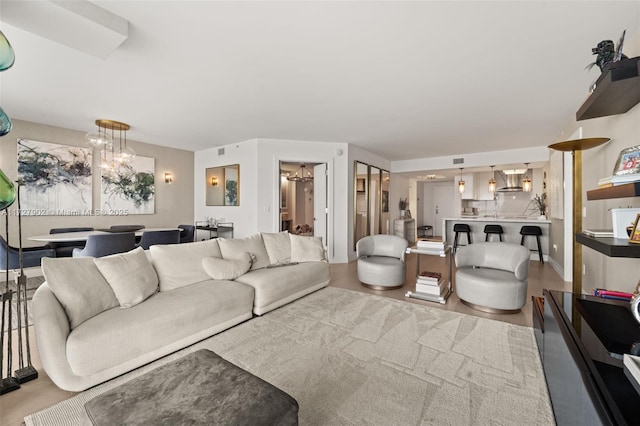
{"points": [[179, 265], [130, 275], [278, 247], [306, 249], [79, 287], [227, 269], [233, 248]]}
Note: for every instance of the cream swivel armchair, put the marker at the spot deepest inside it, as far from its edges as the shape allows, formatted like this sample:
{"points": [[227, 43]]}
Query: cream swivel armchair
{"points": [[492, 277], [381, 261]]}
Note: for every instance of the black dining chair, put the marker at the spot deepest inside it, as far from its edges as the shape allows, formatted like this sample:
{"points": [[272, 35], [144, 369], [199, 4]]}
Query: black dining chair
{"points": [[105, 244], [65, 249], [127, 228], [150, 238], [31, 256], [187, 233]]}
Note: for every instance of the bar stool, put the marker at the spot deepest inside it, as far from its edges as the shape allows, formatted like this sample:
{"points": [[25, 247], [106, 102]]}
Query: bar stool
{"points": [[459, 228], [532, 230], [492, 229]]}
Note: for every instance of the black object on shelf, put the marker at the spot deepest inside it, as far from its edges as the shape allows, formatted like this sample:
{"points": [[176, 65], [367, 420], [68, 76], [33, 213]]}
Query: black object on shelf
{"points": [[617, 90], [612, 247]]}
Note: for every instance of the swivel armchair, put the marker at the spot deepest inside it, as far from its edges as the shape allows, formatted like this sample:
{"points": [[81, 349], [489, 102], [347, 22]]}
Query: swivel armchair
{"points": [[381, 263], [105, 244]]}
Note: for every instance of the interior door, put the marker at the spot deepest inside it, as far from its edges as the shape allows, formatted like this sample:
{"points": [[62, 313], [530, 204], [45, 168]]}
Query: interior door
{"points": [[443, 202], [320, 202]]}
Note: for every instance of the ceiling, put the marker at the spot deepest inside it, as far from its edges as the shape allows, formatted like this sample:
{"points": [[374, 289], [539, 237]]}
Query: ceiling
{"points": [[400, 79]]}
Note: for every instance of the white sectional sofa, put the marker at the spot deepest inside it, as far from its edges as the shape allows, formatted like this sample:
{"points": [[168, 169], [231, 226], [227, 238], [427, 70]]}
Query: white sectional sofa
{"points": [[96, 319]]}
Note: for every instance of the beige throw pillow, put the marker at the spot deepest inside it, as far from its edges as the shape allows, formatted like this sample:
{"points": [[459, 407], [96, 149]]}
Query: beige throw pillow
{"points": [[233, 249], [278, 247], [179, 265], [79, 287], [306, 249], [227, 269], [130, 275]]}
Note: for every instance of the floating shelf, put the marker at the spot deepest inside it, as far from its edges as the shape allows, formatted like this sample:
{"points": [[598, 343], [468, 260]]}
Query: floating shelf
{"points": [[620, 191], [612, 247], [617, 91]]}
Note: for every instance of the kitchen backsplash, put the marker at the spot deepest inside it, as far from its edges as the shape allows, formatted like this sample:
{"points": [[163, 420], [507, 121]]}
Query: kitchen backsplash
{"points": [[508, 204]]}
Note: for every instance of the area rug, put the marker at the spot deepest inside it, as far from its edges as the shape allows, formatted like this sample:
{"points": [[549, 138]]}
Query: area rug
{"points": [[351, 358]]}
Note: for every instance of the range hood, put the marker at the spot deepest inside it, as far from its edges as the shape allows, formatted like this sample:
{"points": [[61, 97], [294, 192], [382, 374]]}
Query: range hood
{"points": [[512, 182]]}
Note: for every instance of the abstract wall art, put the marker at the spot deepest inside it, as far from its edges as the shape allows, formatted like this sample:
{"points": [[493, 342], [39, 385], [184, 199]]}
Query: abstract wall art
{"points": [[129, 187], [57, 178]]}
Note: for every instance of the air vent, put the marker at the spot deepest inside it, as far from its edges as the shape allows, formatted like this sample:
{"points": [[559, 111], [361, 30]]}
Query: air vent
{"points": [[220, 151], [458, 161]]}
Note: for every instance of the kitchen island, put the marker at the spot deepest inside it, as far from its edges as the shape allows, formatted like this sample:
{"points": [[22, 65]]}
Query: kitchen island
{"points": [[510, 226]]}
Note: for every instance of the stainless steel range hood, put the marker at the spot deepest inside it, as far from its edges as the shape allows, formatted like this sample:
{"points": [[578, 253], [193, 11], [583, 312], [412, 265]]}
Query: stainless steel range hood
{"points": [[512, 182]]}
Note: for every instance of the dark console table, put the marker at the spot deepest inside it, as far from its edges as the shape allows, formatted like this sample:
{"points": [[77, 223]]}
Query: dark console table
{"points": [[582, 340]]}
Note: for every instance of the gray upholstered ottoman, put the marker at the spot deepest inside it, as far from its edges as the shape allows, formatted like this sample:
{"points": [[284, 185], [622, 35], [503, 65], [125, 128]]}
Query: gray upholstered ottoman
{"points": [[200, 388]]}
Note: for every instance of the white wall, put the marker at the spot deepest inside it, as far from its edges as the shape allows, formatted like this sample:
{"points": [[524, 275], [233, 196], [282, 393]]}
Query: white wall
{"points": [[259, 161]]}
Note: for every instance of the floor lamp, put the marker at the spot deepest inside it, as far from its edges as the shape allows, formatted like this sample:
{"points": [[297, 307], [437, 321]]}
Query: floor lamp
{"points": [[576, 147]]}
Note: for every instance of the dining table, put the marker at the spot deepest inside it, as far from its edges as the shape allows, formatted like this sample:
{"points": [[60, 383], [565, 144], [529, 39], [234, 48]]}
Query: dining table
{"points": [[67, 237]]}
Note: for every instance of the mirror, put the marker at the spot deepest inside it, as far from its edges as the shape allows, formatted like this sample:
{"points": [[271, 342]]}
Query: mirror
{"points": [[384, 199], [223, 185], [361, 201], [374, 200]]}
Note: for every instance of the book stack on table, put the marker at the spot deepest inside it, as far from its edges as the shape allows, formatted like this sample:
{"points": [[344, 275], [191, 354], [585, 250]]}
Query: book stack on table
{"points": [[616, 180], [612, 294], [431, 245], [431, 283]]}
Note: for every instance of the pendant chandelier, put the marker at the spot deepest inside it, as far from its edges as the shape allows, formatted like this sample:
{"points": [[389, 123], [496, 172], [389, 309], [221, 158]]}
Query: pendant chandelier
{"points": [[461, 182], [111, 140], [526, 180], [301, 175], [492, 181]]}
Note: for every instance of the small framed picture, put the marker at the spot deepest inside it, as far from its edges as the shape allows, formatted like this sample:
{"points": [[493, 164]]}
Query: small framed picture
{"points": [[634, 237], [628, 161]]}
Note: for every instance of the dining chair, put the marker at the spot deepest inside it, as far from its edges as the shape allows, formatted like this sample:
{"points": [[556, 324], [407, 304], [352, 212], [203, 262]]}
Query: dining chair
{"points": [[187, 233], [150, 238], [31, 256], [127, 228], [65, 249], [105, 244]]}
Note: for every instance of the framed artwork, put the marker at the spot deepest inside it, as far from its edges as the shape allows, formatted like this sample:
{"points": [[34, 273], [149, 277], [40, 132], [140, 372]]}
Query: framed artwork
{"points": [[634, 237], [57, 179], [628, 161], [129, 188]]}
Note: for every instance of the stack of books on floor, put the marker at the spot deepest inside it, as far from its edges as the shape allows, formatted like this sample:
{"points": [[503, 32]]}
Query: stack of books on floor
{"points": [[431, 244], [616, 180], [430, 286], [612, 294]]}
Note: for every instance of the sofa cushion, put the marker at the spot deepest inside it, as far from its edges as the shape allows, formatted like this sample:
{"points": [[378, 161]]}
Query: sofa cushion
{"points": [[130, 275], [227, 269], [79, 287], [306, 249], [178, 265], [278, 246], [118, 336], [233, 248], [279, 283]]}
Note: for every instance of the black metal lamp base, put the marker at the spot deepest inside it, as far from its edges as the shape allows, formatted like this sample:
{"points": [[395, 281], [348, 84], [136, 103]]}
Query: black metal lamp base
{"points": [[8, 385], [26, 374]]}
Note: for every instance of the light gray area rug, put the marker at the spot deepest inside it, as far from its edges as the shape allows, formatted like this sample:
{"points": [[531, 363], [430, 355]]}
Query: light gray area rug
{"points": [[351, 358]]}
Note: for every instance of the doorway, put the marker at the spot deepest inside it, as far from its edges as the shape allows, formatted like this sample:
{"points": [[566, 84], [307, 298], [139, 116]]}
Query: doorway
{"points": [[444, 200], [303, 199]]}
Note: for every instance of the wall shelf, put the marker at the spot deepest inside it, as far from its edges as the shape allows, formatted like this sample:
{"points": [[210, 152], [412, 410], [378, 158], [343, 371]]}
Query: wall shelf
{"points": [[612, 247], [617, 91], [620, 191]]}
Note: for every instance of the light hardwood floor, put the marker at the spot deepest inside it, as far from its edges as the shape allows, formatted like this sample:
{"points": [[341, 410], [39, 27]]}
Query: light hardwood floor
{"points": [[42, 393]]}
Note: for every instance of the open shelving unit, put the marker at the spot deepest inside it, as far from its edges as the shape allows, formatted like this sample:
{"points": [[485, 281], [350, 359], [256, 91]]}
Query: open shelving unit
{"points": [[617, 90], [620, 191]]}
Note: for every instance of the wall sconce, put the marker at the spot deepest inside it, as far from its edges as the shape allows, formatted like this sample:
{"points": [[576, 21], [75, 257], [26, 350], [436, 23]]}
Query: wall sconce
{"points": [[461, 183], [214, 181], [168, 177]]}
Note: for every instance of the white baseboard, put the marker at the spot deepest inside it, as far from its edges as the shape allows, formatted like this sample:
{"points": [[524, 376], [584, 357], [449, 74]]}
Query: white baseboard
{"points": [[557, 267]]}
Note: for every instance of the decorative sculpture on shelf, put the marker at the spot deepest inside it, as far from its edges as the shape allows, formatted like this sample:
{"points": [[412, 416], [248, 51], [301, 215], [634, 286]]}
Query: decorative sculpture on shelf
{"points": [[607, 53], [635, 303]]}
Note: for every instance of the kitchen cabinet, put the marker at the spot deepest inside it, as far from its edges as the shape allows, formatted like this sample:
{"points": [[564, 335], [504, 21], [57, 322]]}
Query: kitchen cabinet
{"points": [[481, 181]]}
